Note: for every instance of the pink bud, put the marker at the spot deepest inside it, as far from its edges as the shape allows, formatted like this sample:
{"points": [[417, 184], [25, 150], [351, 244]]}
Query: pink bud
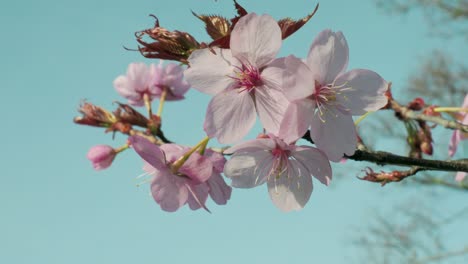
{"points": [[101, 156]]}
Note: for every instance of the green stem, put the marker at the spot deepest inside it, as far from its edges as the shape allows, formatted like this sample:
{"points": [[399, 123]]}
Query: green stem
{"points": [[178, 163]]}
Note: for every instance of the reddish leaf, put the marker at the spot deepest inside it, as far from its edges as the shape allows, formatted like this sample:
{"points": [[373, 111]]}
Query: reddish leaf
{"points": [[289, 26], [216, 26]]}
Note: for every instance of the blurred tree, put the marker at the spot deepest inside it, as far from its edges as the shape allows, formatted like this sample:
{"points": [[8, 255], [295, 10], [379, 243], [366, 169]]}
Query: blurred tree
{"points": [[414, 232]]}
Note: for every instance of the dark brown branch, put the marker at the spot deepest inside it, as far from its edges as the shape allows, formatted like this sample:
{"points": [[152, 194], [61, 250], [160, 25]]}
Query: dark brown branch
{"points": [[386, 158]]}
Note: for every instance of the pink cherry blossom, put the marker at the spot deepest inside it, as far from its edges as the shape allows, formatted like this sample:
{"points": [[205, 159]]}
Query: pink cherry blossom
{"points": [[325, 97], [141, 79], [458, 135], [287, 170], [244, 80], [198, 177], [101, 156], [171, 78], [219, 192]]}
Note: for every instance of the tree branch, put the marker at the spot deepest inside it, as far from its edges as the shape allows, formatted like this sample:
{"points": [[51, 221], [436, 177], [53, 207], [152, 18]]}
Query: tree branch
{"points": [[387, 158], [405, 113]]}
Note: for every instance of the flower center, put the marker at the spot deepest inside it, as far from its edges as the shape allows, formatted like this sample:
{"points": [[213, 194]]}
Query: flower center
{"points": [[280, 163], [247, 77], [325, 98]]}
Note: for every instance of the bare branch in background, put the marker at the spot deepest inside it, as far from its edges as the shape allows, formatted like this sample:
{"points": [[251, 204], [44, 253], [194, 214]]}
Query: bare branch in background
{"points": [[446, 17], [412, 233], [441, 79]]}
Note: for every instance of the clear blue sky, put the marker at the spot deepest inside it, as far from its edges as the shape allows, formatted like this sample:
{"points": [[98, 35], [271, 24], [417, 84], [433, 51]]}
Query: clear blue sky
{"points": [[56, 209]]}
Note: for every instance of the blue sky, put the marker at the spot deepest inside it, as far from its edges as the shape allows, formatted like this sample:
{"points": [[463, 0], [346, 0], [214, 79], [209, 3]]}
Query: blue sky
{"points": [[57, 209]]}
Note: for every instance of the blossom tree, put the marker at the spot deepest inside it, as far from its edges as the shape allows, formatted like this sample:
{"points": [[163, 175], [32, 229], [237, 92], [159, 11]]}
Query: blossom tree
{"points": [[296, 99]]}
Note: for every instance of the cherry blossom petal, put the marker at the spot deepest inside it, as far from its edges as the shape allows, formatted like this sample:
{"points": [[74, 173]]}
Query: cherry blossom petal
{"points": [[173, 151], [297, 119], [123, 86], [220, 192], [173, 74], [209, 73], [148, 152], [336, 136], [299, 82], [137, 73], [198, 194], [230, 116], [454, 141], [316, 163], [271, 107], [247, 170], [217, 159], [328, 56], [256, 39], [252, 145], [291, 193], [362, 91], [169, 191], [198, 168]]}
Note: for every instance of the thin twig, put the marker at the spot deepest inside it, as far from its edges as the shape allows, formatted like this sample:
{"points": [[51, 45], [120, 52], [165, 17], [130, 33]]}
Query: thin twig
{"points": [[445, 255], [406, 113], [461, 186]]}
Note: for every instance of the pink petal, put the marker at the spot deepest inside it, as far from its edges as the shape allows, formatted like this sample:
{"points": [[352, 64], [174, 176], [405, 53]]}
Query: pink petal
{"points": [[252, 145], [198, 194], [328, 56], [297, 120], [366, 93], [220, 192], [138, 74], [256, 39], [173, 74], [148, 151], [293, 192], [123, 86], [247, 170], [217, 159], [315, 161], [465, 102], [173, 151], [460, 176], [299, 82], [454, 141], [198, 168], [209, 73], [336, 136], [230, 116], [169, 191], [271, 106]]}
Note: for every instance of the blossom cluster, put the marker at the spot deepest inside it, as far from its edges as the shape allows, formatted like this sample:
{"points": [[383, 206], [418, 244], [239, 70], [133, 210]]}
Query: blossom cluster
{"points": [[242, 72], [290, 96]]}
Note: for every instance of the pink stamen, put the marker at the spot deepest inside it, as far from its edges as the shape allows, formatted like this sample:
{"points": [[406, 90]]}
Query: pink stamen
{"points": [[247, 77]]}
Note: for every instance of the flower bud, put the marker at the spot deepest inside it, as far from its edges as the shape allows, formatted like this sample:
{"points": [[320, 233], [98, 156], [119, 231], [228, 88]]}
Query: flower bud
{"points": [[101, 156], [417, 104], [168, 45], [94, 116], [426, 147]]}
